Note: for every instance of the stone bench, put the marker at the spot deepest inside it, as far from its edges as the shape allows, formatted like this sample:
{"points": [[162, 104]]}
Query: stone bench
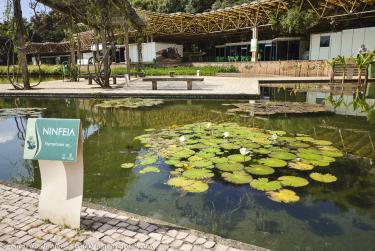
{"points": [[91, 77], [188, 80]]}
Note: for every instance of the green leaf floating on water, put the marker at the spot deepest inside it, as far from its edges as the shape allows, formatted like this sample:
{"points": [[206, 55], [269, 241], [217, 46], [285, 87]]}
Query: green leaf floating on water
{"points": [[129, 103], [271, 162], [262, 151], [209, 150], [239, 158], [237, 177], [202, 164], [283, 155], [198, 174], [293, 181], [150, 169], [192, 186], [283, 195], [127, 165], [322, 142], [259, 170], [302, 166], [325, 178], [263, 184], [229, 166]]}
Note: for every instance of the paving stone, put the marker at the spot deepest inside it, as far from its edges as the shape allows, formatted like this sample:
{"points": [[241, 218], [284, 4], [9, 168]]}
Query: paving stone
{"points": [[200, 241], [156, 236], [107, 240], [176, 243], [191, 238], [167, 240], [19, 224], [186, 247], [141, 237], [172, 233], [181, 235], [220, 247], [209, 244]]}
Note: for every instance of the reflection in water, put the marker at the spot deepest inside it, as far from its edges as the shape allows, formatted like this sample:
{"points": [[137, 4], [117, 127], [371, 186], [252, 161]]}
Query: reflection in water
{"points": [[339, 216]]}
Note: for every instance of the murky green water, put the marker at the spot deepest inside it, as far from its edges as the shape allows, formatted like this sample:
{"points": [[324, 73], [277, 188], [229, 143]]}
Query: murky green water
{"points": [[338, 216]]}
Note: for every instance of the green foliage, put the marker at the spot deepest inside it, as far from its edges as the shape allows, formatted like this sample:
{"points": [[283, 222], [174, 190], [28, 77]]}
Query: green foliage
{"points": [[217, 155], [150, 169], [295, 21]]}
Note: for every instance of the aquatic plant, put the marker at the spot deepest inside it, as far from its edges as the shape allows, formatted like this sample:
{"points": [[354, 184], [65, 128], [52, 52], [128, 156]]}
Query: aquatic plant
{"points": [[127, 165], [325, 178], [129, 103], [263, 184], [198, 153], [150, 169], [283, 195]]}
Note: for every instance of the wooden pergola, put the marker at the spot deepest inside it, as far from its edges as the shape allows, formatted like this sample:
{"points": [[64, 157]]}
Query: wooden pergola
{"points": [[248, 16]]}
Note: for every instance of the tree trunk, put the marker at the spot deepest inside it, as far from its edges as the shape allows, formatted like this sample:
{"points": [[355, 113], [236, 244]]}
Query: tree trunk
{"points": [[127, 53], [105, 54], [73, 64], [20, 34], [140, 58]]}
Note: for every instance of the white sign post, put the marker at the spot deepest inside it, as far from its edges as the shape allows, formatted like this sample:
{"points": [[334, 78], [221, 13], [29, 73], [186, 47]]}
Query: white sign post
{"points": [[58, 145]]}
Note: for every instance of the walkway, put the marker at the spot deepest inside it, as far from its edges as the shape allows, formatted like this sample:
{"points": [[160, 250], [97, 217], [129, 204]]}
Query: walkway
{"points": [[101, 229], [212, 87]]}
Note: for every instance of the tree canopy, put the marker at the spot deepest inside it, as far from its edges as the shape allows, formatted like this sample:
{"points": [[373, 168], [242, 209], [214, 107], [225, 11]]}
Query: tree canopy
{"points": [[190, 6]]}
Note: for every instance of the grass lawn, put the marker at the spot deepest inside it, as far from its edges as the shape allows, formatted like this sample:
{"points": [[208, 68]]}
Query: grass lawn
{"points": [[56, 70]]}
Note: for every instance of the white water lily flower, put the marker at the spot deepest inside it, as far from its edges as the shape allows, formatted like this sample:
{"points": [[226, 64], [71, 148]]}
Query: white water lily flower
{"points": [[251, 101], [182, 139], [208, 125], [298, 159], [274, 136], [244, 151], [226, 134]]}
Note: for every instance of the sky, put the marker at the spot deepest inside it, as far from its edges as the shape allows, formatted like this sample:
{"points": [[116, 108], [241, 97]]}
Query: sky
{"points": [[27, 12]]}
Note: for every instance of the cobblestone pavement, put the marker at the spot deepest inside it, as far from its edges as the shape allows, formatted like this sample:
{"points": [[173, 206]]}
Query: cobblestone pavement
{"points": [[20, 229]]}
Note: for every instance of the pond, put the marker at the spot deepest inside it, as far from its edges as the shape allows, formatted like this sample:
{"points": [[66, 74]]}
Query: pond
{"points": [[335, 216]]}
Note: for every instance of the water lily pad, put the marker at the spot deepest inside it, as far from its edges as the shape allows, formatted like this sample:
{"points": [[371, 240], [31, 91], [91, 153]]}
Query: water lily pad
{"points": [[196, 187], [263, 184], [198, 174], [183, 154], [218, 160], [305, 138], [205, 155], [179, 182], [237, 177], [299, 144], [239, 158], [282, 155], [172, 162], [302, 166], [322, 142], [229, 166], [129, 103], [325, 178], [127, 165], [309, 156], [283, 195], [202, 164], [229, 146], [293, 181], [271, 162], [334, 154], [150, 169], [148, 160], [262, 151], [260, 170]]}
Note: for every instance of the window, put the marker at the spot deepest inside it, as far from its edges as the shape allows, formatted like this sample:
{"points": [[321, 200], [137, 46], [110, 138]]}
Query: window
{"points": [[324, 41]]}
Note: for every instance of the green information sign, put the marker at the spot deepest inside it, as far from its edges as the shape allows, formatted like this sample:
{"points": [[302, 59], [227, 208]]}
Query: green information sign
{"points": [[52, 139]]}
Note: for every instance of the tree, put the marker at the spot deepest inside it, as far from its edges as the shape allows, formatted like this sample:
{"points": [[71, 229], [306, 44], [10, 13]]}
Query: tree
{"points": [[295, 21], [20, 43], [48, 27]]}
